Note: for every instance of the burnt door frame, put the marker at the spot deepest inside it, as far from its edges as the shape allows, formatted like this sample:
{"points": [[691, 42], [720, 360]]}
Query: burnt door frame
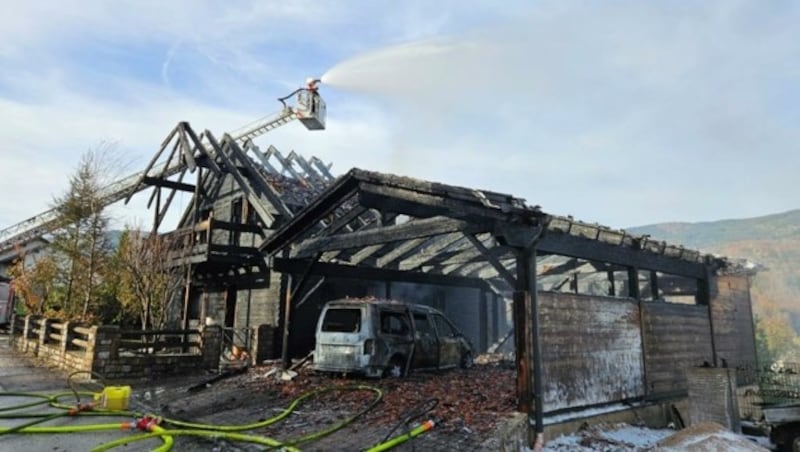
{"points": [[230, 306]]}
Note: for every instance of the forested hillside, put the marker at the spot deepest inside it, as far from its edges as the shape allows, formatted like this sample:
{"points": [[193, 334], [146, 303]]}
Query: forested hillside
{"points": [[772, 241]]}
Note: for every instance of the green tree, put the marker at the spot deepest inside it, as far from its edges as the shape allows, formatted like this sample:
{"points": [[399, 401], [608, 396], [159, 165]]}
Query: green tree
{"points": [[765, 356], [81, 245], [775, 337]]}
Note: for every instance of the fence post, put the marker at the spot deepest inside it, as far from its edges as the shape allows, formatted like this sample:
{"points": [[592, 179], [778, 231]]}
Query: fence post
{"points": [[103, 344], [44, 331], [13, 331], [26, 333], [211, 342], [66, 337]]}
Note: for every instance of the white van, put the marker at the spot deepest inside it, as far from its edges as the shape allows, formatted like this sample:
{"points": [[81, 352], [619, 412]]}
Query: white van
{"points": [[386, 338]]}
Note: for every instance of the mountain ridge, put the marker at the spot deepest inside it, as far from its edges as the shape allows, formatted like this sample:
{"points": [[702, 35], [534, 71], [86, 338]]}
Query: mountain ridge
{"points": [[708, 234], [770, 240]]}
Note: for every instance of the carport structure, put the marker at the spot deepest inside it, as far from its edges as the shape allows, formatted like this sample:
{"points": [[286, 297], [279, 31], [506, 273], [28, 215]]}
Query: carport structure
{"points": [[382, 227]]}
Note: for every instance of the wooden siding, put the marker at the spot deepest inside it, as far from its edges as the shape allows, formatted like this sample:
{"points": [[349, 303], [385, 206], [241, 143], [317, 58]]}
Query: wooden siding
{"points": [[591, 350], [733, 323], [264, 306], [676, 336]]}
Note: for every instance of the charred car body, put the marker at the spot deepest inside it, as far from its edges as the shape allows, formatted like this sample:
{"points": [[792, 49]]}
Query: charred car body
{"points": [[386, 338]]}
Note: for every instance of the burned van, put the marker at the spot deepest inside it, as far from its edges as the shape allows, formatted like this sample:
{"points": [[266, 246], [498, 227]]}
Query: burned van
{"points": [[386, 338]]}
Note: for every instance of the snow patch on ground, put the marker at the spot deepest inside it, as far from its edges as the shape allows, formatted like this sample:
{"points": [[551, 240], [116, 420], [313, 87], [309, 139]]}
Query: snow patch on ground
{"points": [[623, 437], [638, 436], [609, 438]]}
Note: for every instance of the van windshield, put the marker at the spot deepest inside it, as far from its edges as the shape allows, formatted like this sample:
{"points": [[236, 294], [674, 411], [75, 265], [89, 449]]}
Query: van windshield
{"points": [[342, 320]]}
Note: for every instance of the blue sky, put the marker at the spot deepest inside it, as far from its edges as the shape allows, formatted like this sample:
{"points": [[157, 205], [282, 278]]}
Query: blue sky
{"points": [[623, 113]]}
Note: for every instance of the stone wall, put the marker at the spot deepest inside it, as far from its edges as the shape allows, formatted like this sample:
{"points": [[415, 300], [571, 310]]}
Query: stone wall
{"points": [[713, 396], [96, 349]]}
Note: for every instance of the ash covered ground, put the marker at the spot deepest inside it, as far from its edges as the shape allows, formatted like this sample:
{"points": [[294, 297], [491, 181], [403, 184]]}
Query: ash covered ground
{"points": [[471, 406]]}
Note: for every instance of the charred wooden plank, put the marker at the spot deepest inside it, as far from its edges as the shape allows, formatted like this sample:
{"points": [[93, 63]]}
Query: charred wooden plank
{"points": [[424, 205], [402, 250], [493, 260], [159, 182], [569, 245], [382, 235], [296, 266]]}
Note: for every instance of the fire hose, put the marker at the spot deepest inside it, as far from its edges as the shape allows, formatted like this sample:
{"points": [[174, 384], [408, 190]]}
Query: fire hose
{"points": [[166, 429]]}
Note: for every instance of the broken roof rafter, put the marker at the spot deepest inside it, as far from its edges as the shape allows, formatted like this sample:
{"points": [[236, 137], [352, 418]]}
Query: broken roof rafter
{"points": [[229, 153], [440, 216], [379, 236], [492, 256], [402, 251], [334, 270], [433, 240], [424, 205], [438, 249]]}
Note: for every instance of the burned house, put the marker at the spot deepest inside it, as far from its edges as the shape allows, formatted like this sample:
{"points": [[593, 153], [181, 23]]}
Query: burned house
{"points": [[597, 316], [594, 315]]}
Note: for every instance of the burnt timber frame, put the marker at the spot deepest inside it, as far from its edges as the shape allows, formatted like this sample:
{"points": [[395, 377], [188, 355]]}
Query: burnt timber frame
{"points": [[210, 260], [470, 234]]}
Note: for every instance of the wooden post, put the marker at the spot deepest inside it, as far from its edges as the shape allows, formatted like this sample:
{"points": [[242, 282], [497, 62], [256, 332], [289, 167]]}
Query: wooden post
{"points": [[483, 319], [286, 295], [704, 297], [495, 317], [612, 289], [654, 285], [633, 283]]}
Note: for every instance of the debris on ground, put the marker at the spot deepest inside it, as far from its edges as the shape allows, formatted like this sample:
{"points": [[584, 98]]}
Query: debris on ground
{"points": [[708, 436], [469, 400], [281, 374]]}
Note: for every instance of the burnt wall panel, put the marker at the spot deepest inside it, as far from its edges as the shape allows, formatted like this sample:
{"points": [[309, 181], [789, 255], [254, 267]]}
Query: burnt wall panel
{"points": [[462, 306], [215, 306], [733, 322], [676, 336], [591, 350], [264, 306]]}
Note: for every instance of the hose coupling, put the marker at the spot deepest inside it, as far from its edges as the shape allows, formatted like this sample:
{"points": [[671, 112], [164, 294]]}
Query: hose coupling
{"points": [[79, 408]]}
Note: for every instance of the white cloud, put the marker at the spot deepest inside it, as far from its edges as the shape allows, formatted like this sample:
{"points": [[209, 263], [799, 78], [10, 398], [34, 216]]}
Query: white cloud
{"points": [[618, 112]]}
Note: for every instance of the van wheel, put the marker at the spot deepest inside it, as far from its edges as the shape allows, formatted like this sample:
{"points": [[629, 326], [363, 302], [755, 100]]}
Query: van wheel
{"points": [[395, 368], [467, 361]]}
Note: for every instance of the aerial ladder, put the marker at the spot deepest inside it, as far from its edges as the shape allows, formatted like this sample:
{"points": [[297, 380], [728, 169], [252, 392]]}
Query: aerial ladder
{"points": [[304, 104]]}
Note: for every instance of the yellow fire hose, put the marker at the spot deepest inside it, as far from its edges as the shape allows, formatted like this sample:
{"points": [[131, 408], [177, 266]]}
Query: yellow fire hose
{"points": [[153, 425]]}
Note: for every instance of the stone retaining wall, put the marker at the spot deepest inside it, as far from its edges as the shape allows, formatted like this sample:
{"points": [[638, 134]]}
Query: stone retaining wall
{"points": [[96, 349]]}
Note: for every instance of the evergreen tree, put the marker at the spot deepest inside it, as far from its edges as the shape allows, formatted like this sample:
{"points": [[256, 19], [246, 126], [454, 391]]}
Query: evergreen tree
{"points": [[81, 245]]}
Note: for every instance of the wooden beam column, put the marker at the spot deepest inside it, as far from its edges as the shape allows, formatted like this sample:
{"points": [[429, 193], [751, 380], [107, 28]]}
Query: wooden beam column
{"points": [[704, 297], [483, 319], [495, 316], [528, 343]]}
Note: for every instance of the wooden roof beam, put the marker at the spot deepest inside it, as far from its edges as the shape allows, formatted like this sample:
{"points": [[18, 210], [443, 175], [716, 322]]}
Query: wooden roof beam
{"points": [[383, 235]]}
